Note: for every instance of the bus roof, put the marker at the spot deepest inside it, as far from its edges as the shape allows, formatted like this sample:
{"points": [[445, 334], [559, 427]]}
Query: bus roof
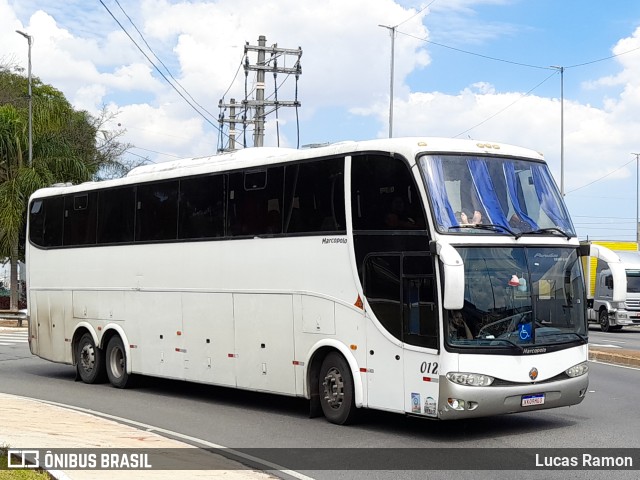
{"points": [[261, 156]]}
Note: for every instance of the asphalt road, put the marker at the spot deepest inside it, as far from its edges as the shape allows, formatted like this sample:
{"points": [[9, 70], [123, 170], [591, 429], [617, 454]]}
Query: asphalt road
{"points": [[609, 417], [627, 338]]}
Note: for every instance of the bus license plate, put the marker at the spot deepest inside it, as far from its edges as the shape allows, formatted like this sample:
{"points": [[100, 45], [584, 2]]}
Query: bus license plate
{"points": [[529, 400]]}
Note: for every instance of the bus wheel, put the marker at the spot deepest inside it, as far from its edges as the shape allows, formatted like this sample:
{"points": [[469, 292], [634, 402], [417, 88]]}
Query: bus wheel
{"points": [[336, 390], [604, 320], [89, 360], [117, 363]]}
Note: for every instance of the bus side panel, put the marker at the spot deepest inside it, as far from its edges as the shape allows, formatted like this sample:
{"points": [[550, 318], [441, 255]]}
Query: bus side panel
{"points": [[385, 382], [209, 338], [53, 309], [264, 342], [422, 376], [155, 328]]}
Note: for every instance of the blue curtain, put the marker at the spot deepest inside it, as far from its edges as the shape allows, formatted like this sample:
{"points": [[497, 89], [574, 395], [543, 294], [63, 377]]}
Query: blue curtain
{"points": [[441, 206], [486, 193], [512, 185], [545, 189]]}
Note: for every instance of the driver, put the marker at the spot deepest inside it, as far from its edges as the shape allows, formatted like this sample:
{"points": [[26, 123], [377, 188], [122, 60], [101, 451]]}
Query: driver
{"points": [[458, 328]]}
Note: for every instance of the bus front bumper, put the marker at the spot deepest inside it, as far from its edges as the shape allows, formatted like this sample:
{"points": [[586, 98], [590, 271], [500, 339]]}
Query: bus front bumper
{"points": [[460, 401]]}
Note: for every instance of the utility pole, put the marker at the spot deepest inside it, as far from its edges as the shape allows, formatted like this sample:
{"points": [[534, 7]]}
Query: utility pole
{"points": [[561, 70], [259, 105], [392, 31]]}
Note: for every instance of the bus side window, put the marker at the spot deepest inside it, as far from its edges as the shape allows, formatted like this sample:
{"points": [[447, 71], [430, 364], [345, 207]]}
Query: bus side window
{"points": [[255, 202], [201, 207], [116, 214], [314, 197], [47, 221], [80, 216], [157, 211], [384, 195]]}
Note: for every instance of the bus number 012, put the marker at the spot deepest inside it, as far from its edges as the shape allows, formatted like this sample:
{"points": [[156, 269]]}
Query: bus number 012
{"points": [[429, 367]]}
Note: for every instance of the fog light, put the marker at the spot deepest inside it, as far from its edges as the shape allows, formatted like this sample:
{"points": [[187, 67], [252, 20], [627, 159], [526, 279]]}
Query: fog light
{"points": [[456, 403]]}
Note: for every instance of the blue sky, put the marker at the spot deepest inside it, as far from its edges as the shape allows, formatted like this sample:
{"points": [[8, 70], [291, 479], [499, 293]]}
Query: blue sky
{"points": [[344, 87]]}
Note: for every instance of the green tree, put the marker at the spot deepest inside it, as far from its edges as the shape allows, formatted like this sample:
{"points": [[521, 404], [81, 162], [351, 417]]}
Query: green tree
{"points": [[68, 146]]}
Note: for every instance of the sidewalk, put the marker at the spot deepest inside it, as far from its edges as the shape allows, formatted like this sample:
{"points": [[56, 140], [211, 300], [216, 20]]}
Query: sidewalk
{"points": [[27, 423]]}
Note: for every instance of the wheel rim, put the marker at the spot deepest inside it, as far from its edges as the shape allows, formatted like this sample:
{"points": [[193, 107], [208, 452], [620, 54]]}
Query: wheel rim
{"points": [[116, 362], [333, 388], [604, 321], [88, 357]]}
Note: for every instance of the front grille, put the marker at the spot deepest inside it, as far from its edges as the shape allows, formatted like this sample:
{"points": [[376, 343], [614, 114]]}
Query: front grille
{"points": [[498, 382]]}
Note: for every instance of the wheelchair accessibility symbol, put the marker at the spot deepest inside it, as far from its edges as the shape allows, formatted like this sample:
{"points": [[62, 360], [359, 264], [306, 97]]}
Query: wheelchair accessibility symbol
{"points": [[525, 331]]}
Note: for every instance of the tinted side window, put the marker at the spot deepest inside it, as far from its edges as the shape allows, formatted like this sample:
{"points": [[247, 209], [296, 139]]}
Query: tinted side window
{"points": [[46, 220], [201, 207], [255, 202], [157, 211], [314, 197], [80, 215], [384, 195], [382, 288], [116, 213]]}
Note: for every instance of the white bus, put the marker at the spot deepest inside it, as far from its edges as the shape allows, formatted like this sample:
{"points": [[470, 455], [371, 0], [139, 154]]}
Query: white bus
{"points": [[431, 277]]}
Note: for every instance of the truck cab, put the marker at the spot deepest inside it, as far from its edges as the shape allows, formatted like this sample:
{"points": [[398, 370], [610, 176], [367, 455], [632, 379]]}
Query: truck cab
{"points": [[612, 315]]}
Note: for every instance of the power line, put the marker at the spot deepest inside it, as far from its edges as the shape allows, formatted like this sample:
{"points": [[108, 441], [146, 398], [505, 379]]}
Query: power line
{"points": [[416, 14], [160, 72], [475, 54], [601, 178], [505, 108], [161, 62]]}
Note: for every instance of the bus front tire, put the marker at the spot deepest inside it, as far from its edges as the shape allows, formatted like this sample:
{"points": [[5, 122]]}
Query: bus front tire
{"points": [[89, 360], [336, 390], [116, 363]]}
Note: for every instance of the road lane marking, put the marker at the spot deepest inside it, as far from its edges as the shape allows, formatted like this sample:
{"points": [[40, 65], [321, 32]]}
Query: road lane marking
{"points": [[604, 345]]}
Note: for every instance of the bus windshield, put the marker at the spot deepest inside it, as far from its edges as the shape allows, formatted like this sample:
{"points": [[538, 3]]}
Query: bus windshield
{"points": [[517, 297], [480, 195]]}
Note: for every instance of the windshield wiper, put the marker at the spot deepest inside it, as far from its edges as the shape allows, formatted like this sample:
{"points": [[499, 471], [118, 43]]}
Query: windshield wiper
{"points": [[505, 340], [488, 226], [583, 338], [549, 230]]}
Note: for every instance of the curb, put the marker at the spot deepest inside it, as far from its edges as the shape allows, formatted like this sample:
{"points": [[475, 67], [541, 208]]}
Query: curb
{"points": [[629, 358]]}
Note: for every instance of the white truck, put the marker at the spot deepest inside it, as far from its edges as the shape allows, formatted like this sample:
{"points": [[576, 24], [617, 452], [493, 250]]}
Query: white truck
{"points": [[602, 307]]}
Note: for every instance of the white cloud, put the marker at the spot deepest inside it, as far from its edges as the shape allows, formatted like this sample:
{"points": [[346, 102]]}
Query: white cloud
{"points": [[345, 71]]}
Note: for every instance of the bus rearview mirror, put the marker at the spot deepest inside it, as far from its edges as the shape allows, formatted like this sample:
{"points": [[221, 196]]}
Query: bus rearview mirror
{"points": [[453, 272]]}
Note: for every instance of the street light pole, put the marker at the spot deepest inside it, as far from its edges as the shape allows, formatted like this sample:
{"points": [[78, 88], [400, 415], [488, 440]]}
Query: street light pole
{"points": [[637, 199], [29, 39], [561, 69], [392, 30]]}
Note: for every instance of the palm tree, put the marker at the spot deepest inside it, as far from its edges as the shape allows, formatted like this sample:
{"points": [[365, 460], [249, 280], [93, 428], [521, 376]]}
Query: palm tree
{"points": [[56, 158]]}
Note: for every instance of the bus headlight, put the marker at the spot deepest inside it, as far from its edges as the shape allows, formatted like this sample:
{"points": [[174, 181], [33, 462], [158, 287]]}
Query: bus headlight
{"points": [[470, 379], [577, 370]]}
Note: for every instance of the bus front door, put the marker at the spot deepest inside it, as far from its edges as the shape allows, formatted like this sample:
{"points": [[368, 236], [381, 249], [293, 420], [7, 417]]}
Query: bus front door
{"points": [[420, 334]]}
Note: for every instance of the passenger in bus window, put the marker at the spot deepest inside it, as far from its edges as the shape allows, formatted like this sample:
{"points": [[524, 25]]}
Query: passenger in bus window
{"points": [[398, 217], [475, 219], [458, 328], [516, 222]]}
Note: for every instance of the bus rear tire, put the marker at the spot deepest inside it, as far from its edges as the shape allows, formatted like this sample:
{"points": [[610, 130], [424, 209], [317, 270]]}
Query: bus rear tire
{"points": [[336, 390], [116, 363], [89, 360]]}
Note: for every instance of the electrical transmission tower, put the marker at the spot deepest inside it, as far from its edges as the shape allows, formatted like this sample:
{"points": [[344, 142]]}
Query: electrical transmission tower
{"points": [[254, 111]]}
